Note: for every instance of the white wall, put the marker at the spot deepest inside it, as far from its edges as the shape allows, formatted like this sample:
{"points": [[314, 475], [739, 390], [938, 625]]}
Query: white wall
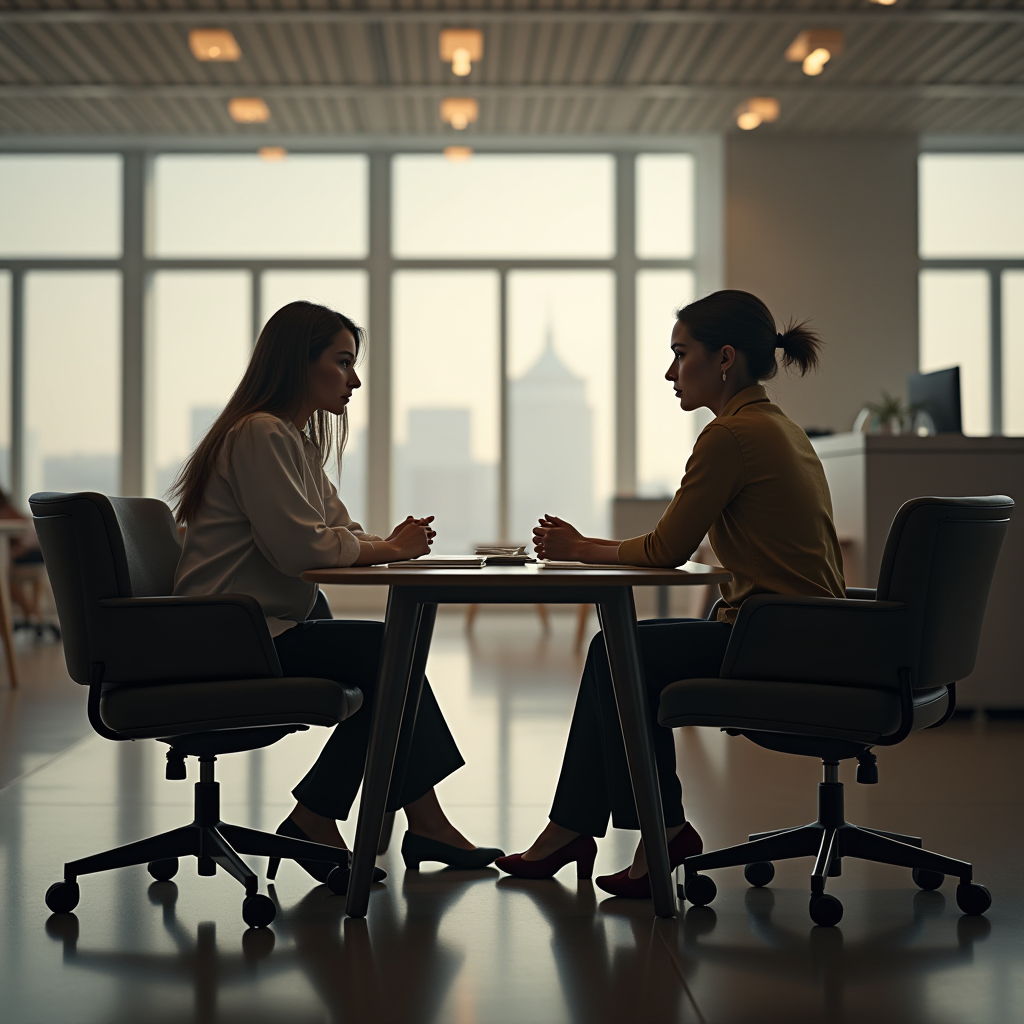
{"points": [[825, 227]]}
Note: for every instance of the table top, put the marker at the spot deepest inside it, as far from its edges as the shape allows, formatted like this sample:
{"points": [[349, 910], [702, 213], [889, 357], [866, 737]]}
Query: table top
{"points": [[692, 574], [14, 525]]}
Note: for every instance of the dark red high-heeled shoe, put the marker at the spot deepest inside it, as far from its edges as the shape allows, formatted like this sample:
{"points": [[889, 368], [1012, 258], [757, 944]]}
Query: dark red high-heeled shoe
{"points": [[684, 844], [582, 849]]}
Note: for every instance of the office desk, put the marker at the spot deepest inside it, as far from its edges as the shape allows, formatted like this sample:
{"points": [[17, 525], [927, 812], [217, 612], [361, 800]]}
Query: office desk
{"points": [[413, 598], [871, 475]]}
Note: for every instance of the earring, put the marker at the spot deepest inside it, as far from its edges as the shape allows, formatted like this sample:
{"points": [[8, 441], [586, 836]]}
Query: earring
{"points": [[723, 375]]}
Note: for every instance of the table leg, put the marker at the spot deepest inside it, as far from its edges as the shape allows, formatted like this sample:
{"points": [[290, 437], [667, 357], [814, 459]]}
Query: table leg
{"points": [[424, 633], [398, 650], [618, 622]]}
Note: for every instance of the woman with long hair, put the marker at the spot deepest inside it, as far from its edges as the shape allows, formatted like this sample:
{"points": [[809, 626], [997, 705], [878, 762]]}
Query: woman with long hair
{"points": [[259, 510], [755, 486]]}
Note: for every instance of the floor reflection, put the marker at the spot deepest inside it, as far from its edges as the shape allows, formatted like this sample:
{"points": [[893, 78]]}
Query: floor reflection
{"points": [[827, 961]]}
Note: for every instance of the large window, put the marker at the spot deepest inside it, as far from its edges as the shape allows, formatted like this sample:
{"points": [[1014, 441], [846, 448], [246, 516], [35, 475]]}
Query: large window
{"points": [[72, 381], [60, 206], [446, 406], [199, 318], [303, 207], [523, 306], [505, 207], [972, 249]]}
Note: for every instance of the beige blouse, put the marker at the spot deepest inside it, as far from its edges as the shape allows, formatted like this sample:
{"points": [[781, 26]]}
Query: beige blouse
{"points": [[268, 513]]}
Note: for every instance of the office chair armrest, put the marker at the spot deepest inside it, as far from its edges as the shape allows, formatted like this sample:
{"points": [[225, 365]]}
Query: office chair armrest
{"points": [[821, 640], [860, 593], [162, 639]]}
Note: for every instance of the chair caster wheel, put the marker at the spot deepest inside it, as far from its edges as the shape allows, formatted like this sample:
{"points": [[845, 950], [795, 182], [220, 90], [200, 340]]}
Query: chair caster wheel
{"points": [[258, 911], [826, 910], [700, 890], [925, 879], [63, 897], [163, 870], [759, 874], [337, 880], [972, 898]]}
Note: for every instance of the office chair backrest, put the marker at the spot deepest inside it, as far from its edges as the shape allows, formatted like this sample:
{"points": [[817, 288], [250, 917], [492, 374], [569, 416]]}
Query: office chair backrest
{"points": [[97, 547], [939, 560]]}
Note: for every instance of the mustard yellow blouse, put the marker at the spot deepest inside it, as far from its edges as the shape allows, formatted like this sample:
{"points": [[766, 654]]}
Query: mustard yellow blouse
{"points": [[755, 486]]}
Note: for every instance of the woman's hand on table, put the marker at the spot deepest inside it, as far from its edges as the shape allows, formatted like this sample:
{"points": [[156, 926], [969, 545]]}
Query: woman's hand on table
{"points": [[409, 539]]}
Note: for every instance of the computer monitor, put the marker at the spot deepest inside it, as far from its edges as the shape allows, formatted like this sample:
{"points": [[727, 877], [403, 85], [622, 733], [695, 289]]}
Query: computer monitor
{"points": [[937, 394]]}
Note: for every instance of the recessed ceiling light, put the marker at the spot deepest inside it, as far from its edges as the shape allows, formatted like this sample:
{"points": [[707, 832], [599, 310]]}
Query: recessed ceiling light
{"points": [[814, 48], [248, 110], [272, 153], [458, 154], [214, 44], [459, 111], [460, 47], [756, 111]]}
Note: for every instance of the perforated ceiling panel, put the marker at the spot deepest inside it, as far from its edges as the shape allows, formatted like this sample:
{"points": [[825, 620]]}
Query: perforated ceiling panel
{"points": [[113, 67]]}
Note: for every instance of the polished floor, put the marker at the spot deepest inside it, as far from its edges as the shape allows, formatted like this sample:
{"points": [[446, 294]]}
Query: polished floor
{"points": [[441, 946]]}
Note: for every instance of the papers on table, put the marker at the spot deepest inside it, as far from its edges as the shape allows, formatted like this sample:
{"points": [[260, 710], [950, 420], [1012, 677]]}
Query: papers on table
{"points": [[504, 554], [441, 562]]}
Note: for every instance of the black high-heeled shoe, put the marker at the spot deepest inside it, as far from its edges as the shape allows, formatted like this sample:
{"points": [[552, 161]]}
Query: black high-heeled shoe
{"points": [[319, 869], [419, 848]]}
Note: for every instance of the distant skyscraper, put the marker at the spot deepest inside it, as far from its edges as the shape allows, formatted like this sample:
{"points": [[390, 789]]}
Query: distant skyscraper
{"points": [[551, 446], [436, 475]]}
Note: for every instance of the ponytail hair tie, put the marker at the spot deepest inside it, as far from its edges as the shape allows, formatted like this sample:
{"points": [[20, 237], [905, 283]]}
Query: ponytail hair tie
{"points": [[780, 341]]}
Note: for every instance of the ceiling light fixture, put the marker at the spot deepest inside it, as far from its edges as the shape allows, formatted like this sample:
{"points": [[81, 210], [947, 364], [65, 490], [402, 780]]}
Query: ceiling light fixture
{"points": [[814, 48], [272, 153], [884, 3], [756, 111], [248, 110], [458, 154], [459, 111], [214, 44], [460, 47]]}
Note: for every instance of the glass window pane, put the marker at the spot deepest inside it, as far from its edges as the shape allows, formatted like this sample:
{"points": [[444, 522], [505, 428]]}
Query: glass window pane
{"points": [[665, 434], [504, 206], [60, 206], [664, 206], [202, 337], [1013, 352], [446, 404], [73, 381], [955, 332], [971, 204], [347, 292], [240, 205], [561, 365], [5, 380]]}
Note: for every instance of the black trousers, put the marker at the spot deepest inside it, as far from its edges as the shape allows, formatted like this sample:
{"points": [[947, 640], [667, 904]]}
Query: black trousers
{"points": [[594, 781], [349, 651]]}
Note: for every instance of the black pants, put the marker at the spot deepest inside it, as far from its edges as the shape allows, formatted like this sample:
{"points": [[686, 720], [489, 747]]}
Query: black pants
{"points": [[595, 776], [349, 651]]}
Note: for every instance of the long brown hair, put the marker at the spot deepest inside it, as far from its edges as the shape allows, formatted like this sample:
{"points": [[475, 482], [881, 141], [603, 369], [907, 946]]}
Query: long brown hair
{"points": [[732, 317], [275, 381]]}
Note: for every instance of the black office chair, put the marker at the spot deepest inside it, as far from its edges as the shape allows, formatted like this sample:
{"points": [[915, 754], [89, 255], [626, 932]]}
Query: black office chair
{"points": [[198, 673], [831, 679]]}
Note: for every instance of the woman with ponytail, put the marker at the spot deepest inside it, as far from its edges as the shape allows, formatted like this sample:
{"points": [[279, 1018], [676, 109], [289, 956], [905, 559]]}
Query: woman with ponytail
{"points": [[755, 487]]}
